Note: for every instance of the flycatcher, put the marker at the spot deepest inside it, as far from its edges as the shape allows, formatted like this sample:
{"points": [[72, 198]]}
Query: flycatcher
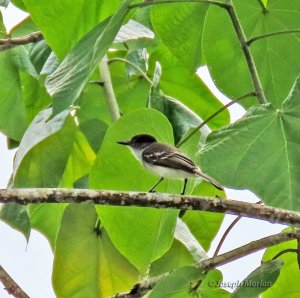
{"points": [[165, 161]]}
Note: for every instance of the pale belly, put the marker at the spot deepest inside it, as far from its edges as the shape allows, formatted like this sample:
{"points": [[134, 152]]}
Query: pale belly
{"points": [[167, 172]]}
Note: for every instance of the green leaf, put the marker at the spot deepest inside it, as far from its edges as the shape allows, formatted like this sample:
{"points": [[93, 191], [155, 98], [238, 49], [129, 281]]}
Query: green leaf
{"points": [[180, 284], [154, 227], [46, 218], [180, 33], [259, 280], [16, 216], [53, 16], [275, 58], [44, 150], [259, 152], [13, 124], [188, 88], [138, 58], [177, 256], [287, 284], [87, 264], [39, 54], [68, 80]]}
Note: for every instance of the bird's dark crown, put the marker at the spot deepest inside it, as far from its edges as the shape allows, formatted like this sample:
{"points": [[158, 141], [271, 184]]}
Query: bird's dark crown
{"points": [[143, 138], [139, 141]]}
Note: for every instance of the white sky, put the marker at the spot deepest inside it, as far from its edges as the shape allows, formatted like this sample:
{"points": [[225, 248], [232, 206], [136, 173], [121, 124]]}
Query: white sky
{"points": [[30, 266]]}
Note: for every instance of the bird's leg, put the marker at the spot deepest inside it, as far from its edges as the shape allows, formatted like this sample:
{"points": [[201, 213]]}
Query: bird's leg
{"points": [[184, 186], [158, 182]]}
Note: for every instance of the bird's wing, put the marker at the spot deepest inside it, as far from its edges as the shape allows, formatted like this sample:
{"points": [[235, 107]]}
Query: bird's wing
{"points": [[166, 156]]}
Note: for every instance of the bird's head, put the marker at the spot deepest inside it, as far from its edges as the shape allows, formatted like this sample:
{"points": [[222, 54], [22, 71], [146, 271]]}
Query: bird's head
{"points": [[139, 141]]}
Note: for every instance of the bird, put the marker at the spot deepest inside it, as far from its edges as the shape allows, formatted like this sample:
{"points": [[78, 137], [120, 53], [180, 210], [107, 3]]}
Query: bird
{"points": [[165, 161]]}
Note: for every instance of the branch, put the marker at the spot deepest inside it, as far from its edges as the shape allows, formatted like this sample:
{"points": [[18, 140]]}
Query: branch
{"points": [[8, 43], [140, 289], [246, 250], [110, 97], [153, 200], [148, 3], [10, 285], [249, 59], [255, 38]]}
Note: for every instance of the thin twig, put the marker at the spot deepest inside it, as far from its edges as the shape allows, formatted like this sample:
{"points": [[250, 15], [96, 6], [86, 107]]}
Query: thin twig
{"points": [[249, 59], [231, 226], [10, 285], [236, 220], [246, 250], [213, 116], [152, 200], [258, 37], [110, 97], [148, 3], [7, 43]]}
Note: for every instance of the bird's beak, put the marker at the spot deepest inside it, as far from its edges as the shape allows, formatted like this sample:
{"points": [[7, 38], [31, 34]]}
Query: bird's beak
{"points": [[124, 143]]}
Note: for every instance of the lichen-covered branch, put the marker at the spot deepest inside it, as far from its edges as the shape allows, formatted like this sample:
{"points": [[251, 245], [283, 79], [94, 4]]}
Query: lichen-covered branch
{"points": [[154, 200], [10, 285], [7, 43]]}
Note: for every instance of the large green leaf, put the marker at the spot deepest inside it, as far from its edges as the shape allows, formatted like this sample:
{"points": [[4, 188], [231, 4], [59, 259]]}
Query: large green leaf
{"points": [[259, 280], [180, 284], [154, 227], [76, 18], [12, 108], [287, 284], [275, 57], [86, 264], [177, 82], [68, 80], [260, 152], [180, 33]]}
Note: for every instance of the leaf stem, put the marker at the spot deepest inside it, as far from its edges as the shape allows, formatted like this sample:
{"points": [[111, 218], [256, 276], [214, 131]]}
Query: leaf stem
{"points": [[148, 3], [263, 7], [213, 116], [143, 74], [284, 252], [255, 38], [249, 59], [110, 97]]}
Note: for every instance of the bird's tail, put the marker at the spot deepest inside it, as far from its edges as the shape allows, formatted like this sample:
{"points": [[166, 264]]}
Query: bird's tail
{"points": [[209, 179]]}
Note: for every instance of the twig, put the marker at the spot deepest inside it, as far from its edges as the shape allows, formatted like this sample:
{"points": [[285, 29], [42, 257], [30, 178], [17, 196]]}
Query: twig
{"points": [[10, 285], [144, 4], [236, 220], [7, 43], [258, 37], [249, 59], [110, 97], [213, 116], [153, 200], [246, 250]]}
